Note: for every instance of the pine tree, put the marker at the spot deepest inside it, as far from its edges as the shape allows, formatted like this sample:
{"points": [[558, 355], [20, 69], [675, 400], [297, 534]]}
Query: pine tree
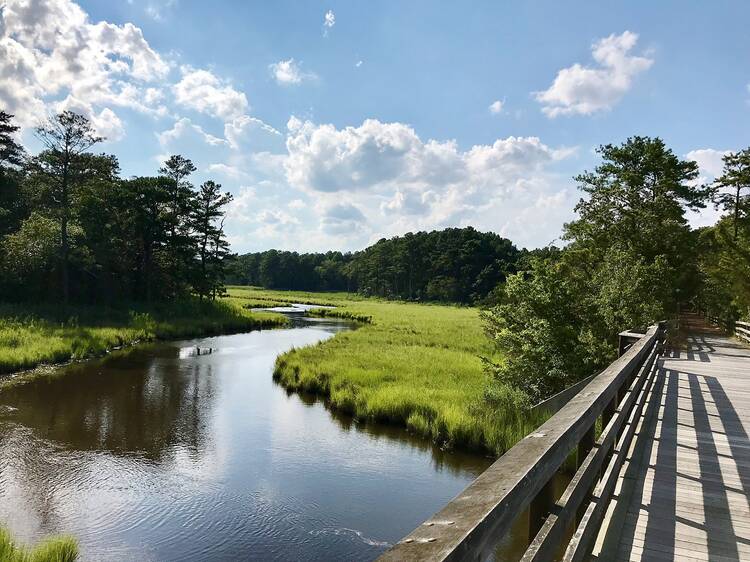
{"points": [[66, 136], [736, 178], [208, 225]]}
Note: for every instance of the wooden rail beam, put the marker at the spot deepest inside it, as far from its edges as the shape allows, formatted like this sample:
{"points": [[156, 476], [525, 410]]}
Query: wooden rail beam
{"points": [[469, 527]]}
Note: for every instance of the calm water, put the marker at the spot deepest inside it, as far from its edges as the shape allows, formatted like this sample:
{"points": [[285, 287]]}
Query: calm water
{"points": [[162, 453]]}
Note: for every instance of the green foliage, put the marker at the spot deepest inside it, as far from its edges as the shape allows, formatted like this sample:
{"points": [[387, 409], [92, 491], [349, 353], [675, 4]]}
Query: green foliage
{"points": [[451, 265], [630, 262], [53, 549], [71, 229], [731, 190], [725, 266], [724, 249], [213, 249], [34, 335]]}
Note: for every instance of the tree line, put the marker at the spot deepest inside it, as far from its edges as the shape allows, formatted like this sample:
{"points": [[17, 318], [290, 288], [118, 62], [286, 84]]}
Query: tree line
{"points": [[631, 258], [73, 230], [453, 265]]}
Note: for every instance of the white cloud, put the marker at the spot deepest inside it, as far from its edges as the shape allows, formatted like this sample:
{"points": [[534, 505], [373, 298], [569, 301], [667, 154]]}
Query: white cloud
{"points": [[710, 166], [329, 20], [106, 123], [496, 107], [183, 126], [226, 170], [373, 155], [241, 126], [710, 162], [50, 50], [358, 64], [203, 91], [288, 72], [586, 90], [406, 183]]}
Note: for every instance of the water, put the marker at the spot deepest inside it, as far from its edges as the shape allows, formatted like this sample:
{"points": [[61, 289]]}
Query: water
{"points": [[189, 451]]}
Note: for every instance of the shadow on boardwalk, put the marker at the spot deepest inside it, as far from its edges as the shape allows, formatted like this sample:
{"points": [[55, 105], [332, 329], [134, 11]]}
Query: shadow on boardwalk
{"points": [[684, 493]]}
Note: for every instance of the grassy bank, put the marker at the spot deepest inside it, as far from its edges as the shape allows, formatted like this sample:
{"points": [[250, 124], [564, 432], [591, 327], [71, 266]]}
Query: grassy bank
{"points": [[53, 549], [34, 335], [415, 365]]}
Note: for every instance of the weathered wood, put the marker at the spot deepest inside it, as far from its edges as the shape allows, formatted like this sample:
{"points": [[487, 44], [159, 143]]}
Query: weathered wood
{"points": [[583, 539], [547, 541], [742, 330], [471, 524], [557, 401], [683, 493], [625, 340]]}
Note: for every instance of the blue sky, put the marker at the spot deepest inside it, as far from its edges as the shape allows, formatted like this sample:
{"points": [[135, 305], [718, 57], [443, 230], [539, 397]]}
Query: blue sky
{"points": [[337, 123]]}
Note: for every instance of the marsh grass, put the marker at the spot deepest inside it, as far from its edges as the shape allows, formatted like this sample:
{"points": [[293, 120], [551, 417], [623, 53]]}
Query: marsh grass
{"points": [[31, 335], [53, 549], [415, 365]]}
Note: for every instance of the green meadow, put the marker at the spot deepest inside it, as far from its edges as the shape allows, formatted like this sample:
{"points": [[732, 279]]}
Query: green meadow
{"points": [[33, 335], [415, 365]]}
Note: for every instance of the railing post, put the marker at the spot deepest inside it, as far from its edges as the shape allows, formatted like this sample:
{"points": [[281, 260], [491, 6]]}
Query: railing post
{"points": [[540, 508]]}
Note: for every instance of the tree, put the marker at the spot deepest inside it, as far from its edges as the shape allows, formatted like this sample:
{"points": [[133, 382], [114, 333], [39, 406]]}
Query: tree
{"points": [[736, 177], [11, 153], [12, 158], [637, 198], [66, 136], [630, 262], [178, 168], [212, 246]]}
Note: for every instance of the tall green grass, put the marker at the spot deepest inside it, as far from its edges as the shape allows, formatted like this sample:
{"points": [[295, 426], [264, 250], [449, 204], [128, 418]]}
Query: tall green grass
{"points": [[415, 365], [31, 335], [53, 549]]}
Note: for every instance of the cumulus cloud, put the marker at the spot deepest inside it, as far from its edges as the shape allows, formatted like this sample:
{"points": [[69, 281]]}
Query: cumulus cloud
{"points": [[50, 50], [341, 218], [585, 89], [106, 123], [203, 91], [710, 162], [496, 107], [406, 183], [287, 72], [375, 154]]}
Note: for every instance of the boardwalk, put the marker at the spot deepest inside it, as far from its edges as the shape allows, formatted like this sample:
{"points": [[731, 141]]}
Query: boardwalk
{"points": [[684, 493]]}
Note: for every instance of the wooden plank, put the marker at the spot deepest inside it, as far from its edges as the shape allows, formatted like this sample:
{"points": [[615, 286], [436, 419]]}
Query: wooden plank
{"points": [[547, 541], [688, 489]]}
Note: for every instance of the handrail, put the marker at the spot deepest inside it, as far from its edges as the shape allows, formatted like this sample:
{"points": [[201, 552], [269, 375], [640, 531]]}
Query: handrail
{"points": [[470, 525], [742, 330]]}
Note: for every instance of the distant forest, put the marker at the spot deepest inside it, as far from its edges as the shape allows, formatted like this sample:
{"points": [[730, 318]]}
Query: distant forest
{"points": [[451, 265]]}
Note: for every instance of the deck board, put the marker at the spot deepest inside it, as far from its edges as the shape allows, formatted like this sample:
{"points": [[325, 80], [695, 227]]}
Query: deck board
{"points": [[684, 491]]}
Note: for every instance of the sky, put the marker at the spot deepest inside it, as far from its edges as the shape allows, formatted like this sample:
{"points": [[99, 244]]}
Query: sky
{"points": [[334, 124]]}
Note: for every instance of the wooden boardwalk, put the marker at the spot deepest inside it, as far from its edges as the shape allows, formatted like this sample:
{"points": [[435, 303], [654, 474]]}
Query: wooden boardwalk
{"points": [[684, 492]]}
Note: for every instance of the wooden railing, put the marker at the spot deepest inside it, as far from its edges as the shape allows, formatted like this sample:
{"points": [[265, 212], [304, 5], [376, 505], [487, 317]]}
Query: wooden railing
{"points": [[742, 330], [470, 526]]}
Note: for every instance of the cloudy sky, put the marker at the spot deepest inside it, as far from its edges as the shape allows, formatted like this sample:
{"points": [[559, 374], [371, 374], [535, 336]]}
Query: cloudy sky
{"points": [[337, 123]]}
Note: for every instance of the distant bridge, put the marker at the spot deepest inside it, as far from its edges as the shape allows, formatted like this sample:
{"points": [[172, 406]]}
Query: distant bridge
{"points": [[666, 477]]}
